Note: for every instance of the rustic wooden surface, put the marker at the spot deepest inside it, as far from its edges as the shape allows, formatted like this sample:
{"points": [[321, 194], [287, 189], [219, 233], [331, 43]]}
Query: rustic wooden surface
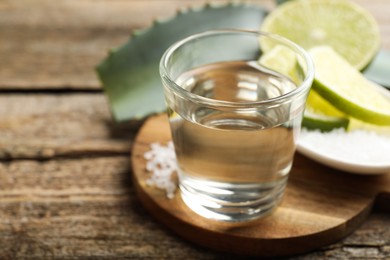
{"points": [[65, 173], [318, 209]]}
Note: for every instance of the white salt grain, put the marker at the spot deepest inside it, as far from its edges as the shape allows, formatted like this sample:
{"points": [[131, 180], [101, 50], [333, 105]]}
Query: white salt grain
{"points": [[161, 161], [358, 146]]}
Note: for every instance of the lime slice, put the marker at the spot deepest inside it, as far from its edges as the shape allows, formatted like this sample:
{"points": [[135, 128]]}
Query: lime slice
{"points": [[316, 104], [320, 114], [323, 123], [283, 60], [346, 88], [280, 59], [347, 27]]}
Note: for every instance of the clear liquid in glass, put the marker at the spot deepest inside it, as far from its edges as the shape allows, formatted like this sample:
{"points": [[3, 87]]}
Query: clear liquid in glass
{"points": [[233, 165]]}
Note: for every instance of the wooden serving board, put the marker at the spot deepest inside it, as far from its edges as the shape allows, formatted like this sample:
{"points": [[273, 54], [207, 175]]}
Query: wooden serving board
{"points": [[321, 205]]}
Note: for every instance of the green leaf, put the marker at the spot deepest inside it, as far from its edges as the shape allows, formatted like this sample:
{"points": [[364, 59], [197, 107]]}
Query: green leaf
{"points": [[379, 70], [130, 74]]}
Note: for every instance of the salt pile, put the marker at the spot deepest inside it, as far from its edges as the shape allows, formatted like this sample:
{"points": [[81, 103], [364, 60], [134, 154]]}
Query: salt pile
{"points": [[161, 161], [357, 147]]}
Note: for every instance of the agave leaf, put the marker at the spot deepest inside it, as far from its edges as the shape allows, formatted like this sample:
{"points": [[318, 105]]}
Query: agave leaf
{"points": [[130, 74], [379, 69]]}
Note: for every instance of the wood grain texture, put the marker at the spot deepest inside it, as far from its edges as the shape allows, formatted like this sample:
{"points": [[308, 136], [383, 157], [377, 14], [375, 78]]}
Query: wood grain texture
{"points": [[77, 208], [320, 206], [83, 204], [44, 126], [66, 189], [52, 209], [57, 44]]}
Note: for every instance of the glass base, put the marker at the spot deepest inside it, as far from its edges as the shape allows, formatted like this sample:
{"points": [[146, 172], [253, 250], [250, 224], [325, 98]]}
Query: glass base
{"points": [[231, 202]]}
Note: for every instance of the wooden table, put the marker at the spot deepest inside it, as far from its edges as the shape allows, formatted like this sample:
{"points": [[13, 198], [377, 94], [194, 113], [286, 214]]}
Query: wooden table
{"points": [[65, 176]]}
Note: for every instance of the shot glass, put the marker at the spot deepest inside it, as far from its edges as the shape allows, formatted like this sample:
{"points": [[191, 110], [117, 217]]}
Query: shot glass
{"points": [[234, 119]]}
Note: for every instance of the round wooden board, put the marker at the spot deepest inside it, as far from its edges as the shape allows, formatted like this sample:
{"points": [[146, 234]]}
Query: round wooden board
{"points": [[320, 206]]}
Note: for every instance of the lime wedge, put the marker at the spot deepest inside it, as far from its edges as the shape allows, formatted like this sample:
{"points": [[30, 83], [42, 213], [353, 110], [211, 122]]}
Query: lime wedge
{"points": [[323, 123], [320, 114], [346, 88], [345, 26], [283, 60], [280, 59]]}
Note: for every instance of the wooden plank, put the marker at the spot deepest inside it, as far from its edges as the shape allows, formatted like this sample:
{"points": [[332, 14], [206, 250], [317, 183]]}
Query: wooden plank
{"points": [[53, 208], [57, 44], [43, 126], [87, 208]]}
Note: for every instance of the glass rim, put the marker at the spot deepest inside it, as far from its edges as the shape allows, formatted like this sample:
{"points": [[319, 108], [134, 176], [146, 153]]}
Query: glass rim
{"points": [[223, 103]]}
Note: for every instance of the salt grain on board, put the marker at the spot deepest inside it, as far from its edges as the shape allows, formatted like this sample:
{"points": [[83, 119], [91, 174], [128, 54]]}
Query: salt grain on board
{"points": [[161, 161]]}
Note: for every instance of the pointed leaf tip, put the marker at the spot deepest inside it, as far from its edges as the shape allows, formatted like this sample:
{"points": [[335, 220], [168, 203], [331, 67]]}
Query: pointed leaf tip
{"points": [[130, 75]]}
